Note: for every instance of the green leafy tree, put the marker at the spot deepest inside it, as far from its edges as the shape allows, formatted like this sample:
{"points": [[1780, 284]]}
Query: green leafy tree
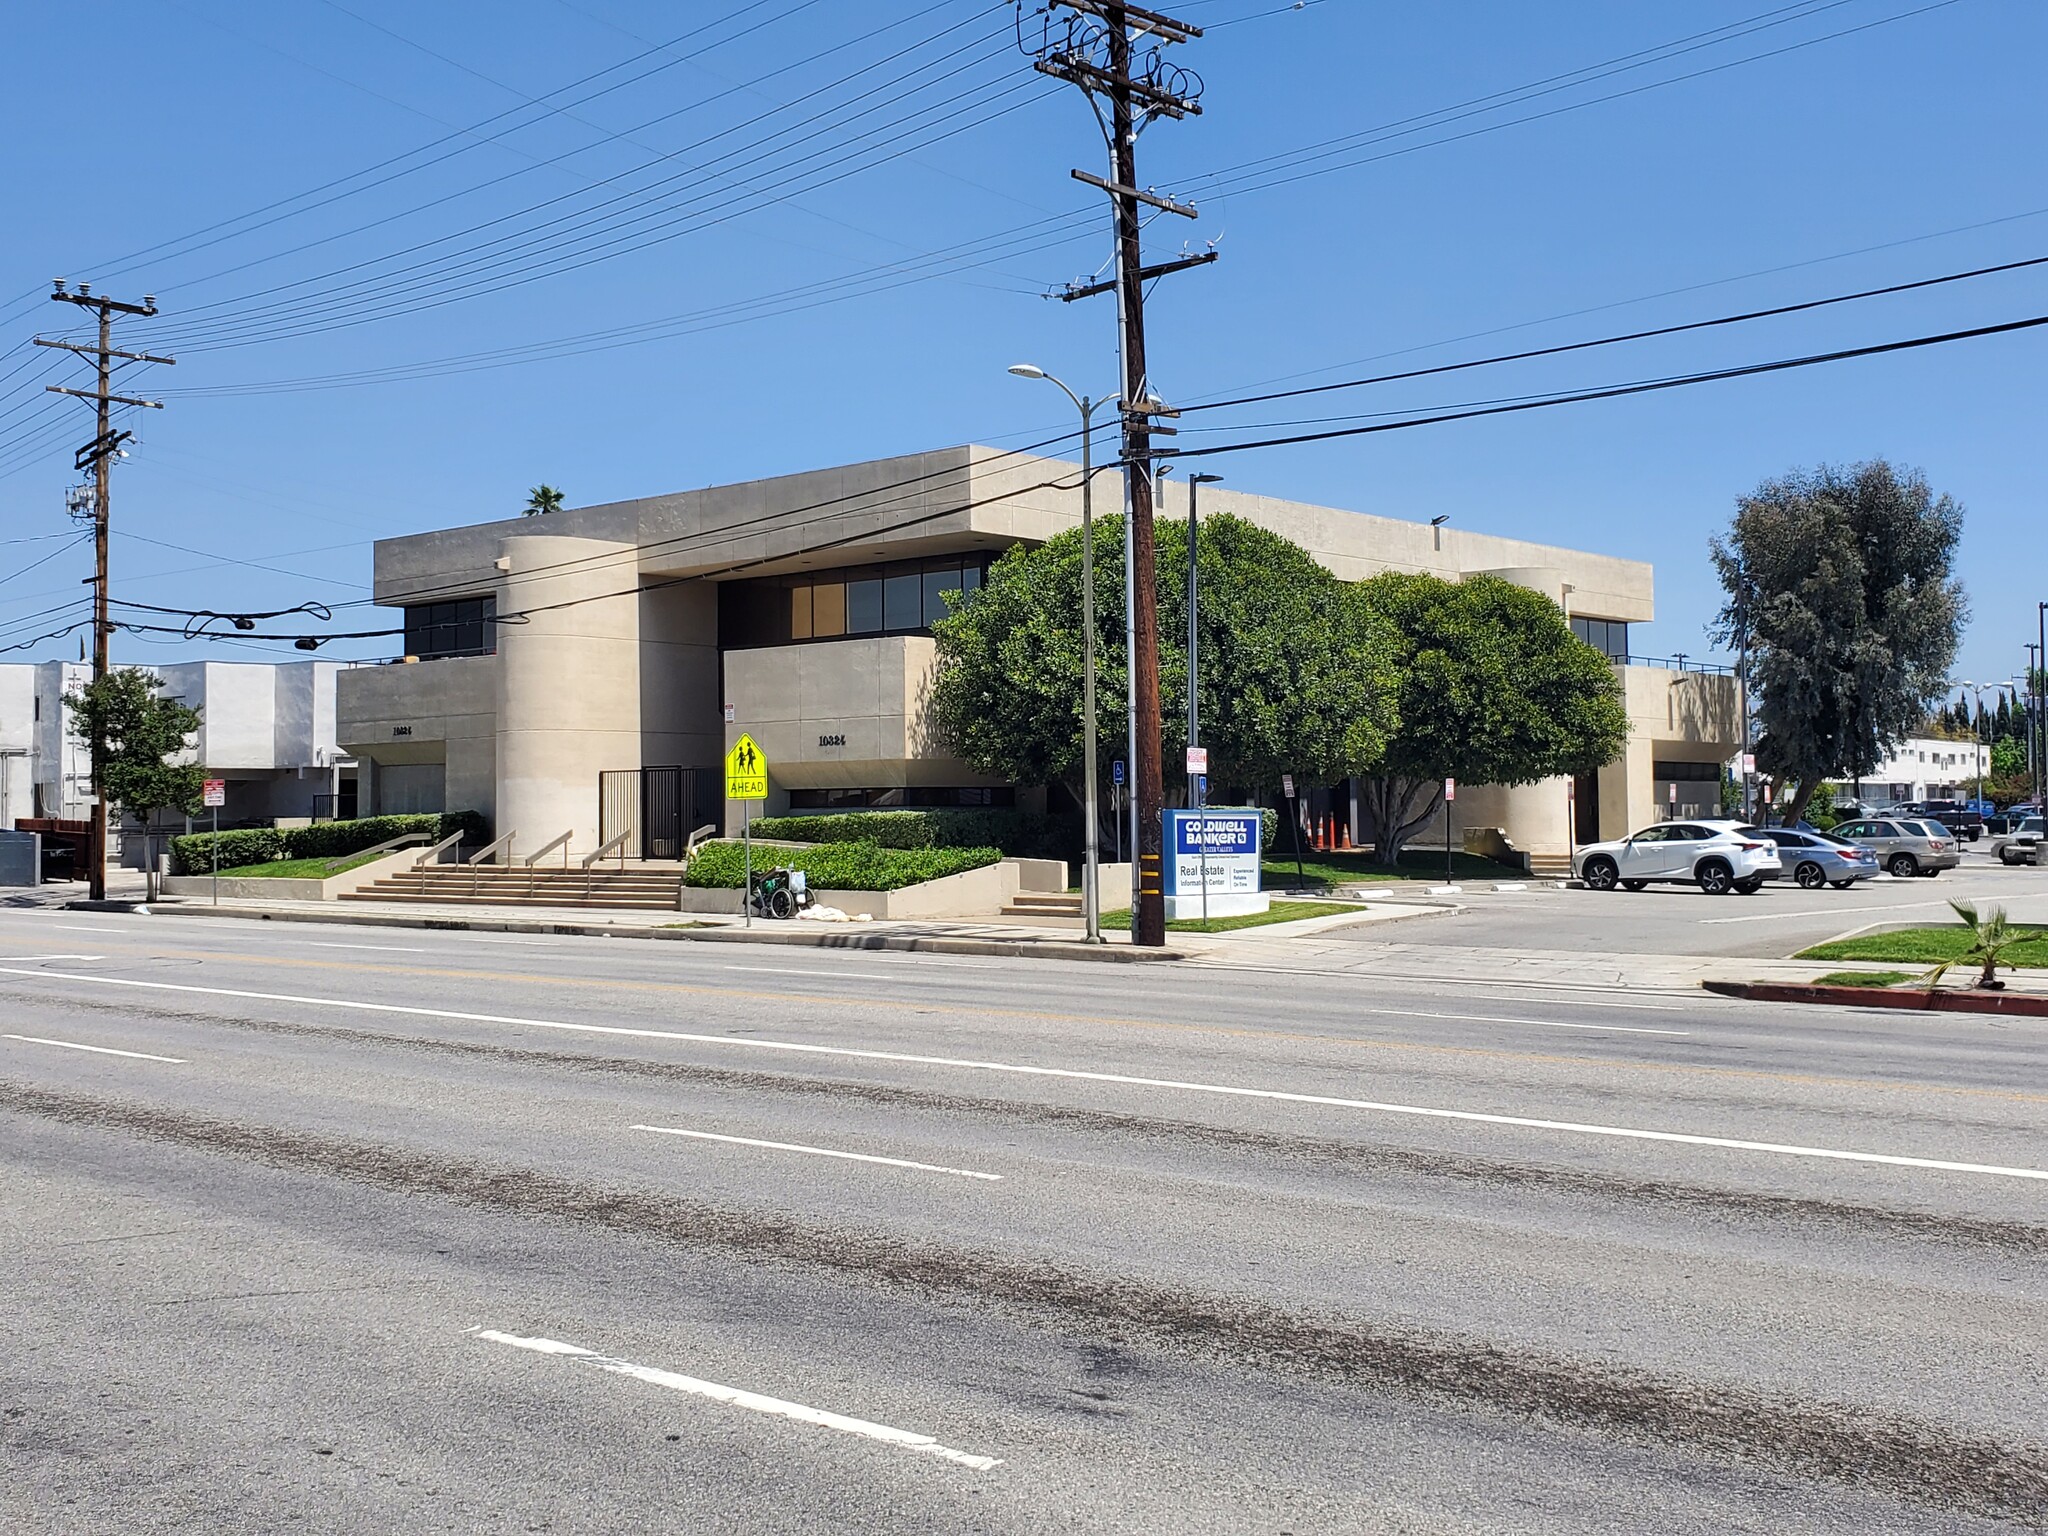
{"points": [[1295, 672], [1495, 689], [1844, 581], [541, 500], [135, 737]]}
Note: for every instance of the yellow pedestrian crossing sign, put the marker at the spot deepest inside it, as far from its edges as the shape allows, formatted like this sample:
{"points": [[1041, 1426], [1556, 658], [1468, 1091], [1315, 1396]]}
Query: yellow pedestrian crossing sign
{"points": [[746, 771]]}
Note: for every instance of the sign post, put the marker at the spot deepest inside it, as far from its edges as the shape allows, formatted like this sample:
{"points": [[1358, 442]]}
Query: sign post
{"points": [[1116, 797], [746, 780], [1198, 785], [214, 794], [1294, 821], [1450, 799]]}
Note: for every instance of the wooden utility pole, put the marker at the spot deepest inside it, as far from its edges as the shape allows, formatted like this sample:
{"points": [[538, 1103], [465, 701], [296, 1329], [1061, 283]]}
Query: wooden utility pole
{"points": [[98, 456], [1112, 51]]}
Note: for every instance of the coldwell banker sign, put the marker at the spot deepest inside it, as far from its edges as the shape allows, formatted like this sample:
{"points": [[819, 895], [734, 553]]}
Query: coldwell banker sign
{"points": [[1216, 852]]}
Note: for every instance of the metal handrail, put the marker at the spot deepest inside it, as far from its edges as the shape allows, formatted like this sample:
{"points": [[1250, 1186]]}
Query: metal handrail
{"points": [[617, 844], [561, 842], [480, 858], [389, 845], [484, 856], [698, 839], [433, 854]]}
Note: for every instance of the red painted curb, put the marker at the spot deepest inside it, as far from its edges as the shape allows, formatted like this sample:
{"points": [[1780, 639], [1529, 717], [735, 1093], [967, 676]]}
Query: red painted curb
{"points": [[1919, 1000]]}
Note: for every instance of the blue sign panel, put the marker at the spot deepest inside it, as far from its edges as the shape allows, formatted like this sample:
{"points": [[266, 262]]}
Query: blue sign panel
{"points": [[1220, 848], [1116, 771]]}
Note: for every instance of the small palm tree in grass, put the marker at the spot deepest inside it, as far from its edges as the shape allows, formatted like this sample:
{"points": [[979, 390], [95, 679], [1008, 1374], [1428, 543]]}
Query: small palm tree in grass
{"points": [[543, 499], [1990, 937]]}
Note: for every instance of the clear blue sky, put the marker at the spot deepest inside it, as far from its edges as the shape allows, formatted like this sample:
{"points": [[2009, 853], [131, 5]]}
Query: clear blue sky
{"points": [[1444, 230]]}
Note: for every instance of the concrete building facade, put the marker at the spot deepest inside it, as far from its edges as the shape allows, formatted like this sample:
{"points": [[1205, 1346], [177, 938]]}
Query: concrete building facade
{"points": [[1924, 768], [267, 728], [546, 657]]}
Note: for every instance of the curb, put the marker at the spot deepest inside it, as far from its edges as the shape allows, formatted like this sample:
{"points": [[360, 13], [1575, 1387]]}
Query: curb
{"points": [[1920, 1000], [931, 944]]}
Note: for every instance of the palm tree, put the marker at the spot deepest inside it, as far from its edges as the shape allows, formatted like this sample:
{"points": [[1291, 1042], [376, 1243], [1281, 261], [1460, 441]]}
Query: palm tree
{"points": [[543, 499], [1990, 937]]}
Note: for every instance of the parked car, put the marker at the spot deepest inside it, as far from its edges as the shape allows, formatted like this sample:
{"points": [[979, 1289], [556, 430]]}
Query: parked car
{"points": [[1717, 856], [1905, 845], [1813, 859], [2009, 820], [2022, 845], [1960, 818], [1849, 805]]}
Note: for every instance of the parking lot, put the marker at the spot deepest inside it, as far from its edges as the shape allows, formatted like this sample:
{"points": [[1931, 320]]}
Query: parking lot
{"points": [[1776, 923]]}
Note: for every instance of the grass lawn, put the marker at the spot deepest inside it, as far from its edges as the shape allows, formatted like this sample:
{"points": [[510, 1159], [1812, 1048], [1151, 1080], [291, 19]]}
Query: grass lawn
{"points": [[296, 869], [1323, 870], [1928, 946], [1862, 978], [1279, 912]]}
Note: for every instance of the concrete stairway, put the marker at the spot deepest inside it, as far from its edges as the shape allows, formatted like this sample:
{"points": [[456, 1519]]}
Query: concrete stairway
{"points": [[632, 888], [1044, 904], [1550, 866]]}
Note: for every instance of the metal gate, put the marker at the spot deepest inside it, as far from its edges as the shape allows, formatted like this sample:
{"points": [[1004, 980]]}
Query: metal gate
{"points": [[655, 808]]}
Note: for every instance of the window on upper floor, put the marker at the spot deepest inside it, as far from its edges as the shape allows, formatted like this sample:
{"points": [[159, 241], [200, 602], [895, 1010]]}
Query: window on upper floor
{"points": [[904, 597], [463, 626], [1607, 636]]}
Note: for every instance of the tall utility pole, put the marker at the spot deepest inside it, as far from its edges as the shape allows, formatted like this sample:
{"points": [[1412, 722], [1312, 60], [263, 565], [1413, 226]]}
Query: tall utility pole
{"points": [[1112, 51], [98, 456]]}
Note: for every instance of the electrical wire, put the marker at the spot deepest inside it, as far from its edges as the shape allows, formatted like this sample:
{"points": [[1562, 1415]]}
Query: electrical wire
{"points": [[1618, 391], [1741, 318]]}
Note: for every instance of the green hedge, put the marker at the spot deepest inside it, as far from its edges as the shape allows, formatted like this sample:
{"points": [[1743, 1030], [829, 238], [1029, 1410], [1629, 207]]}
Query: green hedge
{"points": [[1019, 834], [193, 855], [862, 866]]}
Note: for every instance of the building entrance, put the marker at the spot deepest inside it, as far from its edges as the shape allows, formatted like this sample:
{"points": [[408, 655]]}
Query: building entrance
{"points": [[655, 808]]}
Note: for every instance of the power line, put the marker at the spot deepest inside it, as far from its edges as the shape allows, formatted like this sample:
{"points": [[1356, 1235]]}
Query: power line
{"points": [[1628, 336], [1614, 392]]}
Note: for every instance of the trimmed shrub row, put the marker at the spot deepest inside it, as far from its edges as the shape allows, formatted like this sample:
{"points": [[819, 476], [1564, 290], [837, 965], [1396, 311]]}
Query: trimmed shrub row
{"points": [[1019, 834], [193, 855], [861, 866]]}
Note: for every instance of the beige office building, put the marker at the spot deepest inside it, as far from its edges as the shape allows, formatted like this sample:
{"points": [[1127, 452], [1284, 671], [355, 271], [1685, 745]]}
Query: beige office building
{"points": [[584, 672]]}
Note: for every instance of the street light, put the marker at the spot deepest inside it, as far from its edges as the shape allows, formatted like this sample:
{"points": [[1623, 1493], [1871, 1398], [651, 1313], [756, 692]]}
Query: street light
{"points": [[1091, 882], [1977, 726]]}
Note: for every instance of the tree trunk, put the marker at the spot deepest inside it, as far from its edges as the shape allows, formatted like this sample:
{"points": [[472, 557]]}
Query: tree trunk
{"points": [[1390, 805], [1801, 798]]}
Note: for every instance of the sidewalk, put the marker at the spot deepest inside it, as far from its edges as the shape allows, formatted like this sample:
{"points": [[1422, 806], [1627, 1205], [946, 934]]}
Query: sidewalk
{"points": [[954, 936]]}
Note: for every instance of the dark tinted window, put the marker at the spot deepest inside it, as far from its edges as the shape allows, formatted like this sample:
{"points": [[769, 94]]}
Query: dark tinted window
{"points": [[460, 627], [901, 598], [903, 601], [1607, 636], [1786, 839], [864, 606]]}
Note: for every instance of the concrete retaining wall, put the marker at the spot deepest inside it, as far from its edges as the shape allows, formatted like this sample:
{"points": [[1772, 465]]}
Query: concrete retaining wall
{"points": [[972, 893], [257, 888]]}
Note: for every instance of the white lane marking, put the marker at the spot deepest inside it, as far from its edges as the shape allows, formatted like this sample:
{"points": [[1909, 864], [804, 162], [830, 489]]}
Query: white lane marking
{"points": [[924, 1445], [1073, 1074], [790, 1146], [76, 928], [24, 959], [395, 949], [98, 1050]]}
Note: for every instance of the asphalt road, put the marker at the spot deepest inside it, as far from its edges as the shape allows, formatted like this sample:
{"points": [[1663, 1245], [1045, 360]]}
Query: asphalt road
{"points": [[1776, 923], [371, 1230]]}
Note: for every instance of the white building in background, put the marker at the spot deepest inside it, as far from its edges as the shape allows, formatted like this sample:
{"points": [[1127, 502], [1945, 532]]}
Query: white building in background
{"points": [[267, 728], [1923, 768]]}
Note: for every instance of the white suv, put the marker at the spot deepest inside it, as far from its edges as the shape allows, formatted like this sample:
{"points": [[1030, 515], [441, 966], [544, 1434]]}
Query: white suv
{"points": [[1717, 856]]}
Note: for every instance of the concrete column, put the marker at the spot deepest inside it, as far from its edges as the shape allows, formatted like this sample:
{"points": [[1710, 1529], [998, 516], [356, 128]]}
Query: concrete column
{"points": [[568, 684]]}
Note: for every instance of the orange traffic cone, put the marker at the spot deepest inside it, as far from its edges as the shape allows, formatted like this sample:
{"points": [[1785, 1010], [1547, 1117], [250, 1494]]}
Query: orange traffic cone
{"points": [[1315, 833], [1346, 825]]}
